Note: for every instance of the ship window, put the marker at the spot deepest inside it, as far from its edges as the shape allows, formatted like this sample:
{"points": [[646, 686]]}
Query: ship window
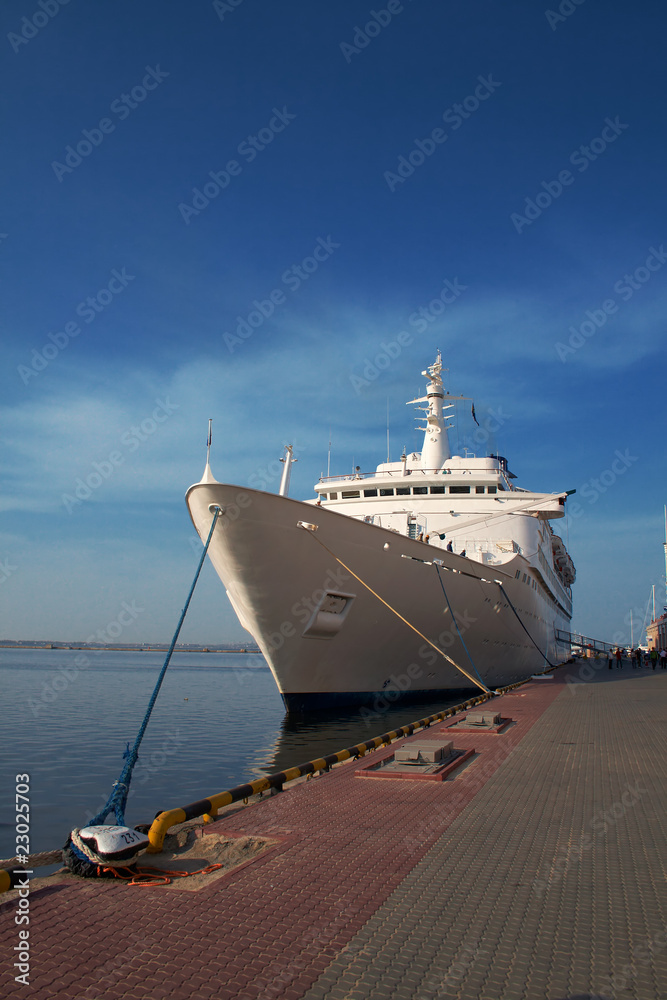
{"points": [[437, 489], [524, 578], [370, 493], [479, 489], [402, 491], [350, 495], [459, 489], [333, 496], [419, 490], [501, 487], [492, 489], [386, 493], [517, 574]]}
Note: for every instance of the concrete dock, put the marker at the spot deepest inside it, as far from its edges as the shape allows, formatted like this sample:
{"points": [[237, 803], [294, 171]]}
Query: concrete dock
{"points": [[535, 872]]}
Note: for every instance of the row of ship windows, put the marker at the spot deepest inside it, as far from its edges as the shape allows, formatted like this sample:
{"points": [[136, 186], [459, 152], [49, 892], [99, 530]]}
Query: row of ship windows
{"points": [[405, 491], [526, 579], [533, 583]]}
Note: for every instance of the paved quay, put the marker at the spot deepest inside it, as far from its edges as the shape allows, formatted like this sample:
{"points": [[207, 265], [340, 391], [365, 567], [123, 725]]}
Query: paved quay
{"points": [[536, 872]]}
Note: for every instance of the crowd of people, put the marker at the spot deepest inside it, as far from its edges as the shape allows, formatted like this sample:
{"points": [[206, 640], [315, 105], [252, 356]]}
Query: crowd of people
{"points": [[640, 658]]}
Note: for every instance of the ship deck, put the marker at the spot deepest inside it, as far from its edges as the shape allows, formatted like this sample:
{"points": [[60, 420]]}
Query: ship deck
{"points": [[536, 870]]}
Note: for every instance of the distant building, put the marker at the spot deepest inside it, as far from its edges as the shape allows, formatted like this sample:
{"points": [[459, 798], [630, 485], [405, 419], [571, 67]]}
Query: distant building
{"points": [[656, 633]]}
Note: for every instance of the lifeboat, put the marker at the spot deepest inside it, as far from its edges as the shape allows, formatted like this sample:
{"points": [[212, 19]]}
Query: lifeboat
{"points": [[563, 561]]}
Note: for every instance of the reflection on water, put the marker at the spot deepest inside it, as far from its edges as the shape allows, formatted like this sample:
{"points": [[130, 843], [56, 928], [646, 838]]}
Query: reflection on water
{"points": [[218, 722], [308, 736]]}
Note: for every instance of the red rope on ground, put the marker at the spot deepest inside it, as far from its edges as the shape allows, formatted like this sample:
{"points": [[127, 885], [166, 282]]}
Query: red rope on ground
{"points": [[154, 876]]}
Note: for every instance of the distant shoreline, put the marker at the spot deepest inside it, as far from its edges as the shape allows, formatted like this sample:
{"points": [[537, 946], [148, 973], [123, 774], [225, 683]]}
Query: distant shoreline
{"points": [[130, 649]]}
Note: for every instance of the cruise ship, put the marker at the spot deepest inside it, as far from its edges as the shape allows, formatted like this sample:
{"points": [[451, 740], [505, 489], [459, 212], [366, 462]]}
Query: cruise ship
{"points": [[433, 575]]}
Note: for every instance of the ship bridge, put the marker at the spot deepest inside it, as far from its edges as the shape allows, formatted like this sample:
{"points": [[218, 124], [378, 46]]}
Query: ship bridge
{"points": [[434, 479], [467, 504]]}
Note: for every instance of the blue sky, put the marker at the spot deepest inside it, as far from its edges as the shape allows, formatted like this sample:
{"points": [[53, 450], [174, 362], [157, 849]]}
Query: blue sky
{"points": [[319, 172]]}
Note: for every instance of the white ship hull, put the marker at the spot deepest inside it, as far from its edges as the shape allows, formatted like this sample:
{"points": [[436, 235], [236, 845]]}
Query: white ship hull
{"points": [[330, 641]]}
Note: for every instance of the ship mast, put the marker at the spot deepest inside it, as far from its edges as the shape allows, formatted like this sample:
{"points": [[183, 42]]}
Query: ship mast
{"points": [[436, 443], [288, 460]]}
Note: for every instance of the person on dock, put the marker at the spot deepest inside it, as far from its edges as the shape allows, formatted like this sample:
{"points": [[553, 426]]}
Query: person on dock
{"points": [[610, 659], [663, 659], [654, 657], [633, 657], [619, 658]]}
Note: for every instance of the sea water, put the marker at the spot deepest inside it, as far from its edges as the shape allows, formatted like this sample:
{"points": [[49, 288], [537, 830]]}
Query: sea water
{"points": [[218, 721]]}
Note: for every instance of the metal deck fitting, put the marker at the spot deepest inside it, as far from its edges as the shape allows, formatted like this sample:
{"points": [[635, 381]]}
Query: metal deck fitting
{"points": [[423, 759]]}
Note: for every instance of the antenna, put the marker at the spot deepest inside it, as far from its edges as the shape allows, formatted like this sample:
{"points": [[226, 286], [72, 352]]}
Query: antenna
{"points": [[456, 417], [329, 455], [388, 431], [209, 438]]}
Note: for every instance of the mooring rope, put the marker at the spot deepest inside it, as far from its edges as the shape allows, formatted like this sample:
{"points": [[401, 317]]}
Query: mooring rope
{"points": [[522, 625], [479, 684], [243, 792], [155, 876], [437, 569], [118, 798]]}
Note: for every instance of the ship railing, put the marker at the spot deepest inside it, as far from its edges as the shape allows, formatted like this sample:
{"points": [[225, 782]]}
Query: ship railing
{"points": [[559, 584], [396, 474], [399, 474], [584, 642]]}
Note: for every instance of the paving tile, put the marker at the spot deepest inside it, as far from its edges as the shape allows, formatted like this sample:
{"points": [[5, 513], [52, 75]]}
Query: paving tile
{"points": [[559, 802], [378, 892]]}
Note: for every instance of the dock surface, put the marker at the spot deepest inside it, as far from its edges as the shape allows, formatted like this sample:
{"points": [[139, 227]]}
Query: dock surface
{"points": [[536, 872]]}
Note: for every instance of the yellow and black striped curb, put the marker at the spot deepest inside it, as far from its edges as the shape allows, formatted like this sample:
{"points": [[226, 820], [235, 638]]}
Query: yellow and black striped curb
{"points": [[9, 879], [208, 808]]}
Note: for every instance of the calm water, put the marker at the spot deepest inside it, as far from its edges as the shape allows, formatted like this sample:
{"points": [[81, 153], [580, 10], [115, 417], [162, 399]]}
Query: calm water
{"points": [[218, 721]]}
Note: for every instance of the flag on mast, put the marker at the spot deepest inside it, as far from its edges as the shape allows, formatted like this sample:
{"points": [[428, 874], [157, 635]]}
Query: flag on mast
{"points": [[473, 415]]}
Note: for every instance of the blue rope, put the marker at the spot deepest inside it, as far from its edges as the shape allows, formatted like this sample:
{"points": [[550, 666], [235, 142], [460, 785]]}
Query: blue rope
{"points": [[437, 569], [118, 799], [523, 626]]}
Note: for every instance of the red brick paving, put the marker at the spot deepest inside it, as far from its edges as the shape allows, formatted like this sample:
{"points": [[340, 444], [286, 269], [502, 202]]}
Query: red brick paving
{"points": [[267, 930]]}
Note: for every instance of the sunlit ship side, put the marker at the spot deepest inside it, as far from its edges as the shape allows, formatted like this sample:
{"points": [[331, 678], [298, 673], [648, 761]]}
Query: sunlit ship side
{"points": [[446, 545]]}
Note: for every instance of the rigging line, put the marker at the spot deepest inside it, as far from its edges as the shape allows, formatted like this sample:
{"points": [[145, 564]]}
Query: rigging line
{"points": [[302, 524], [648, 604], [437, 569], [546, 660], [118, 798]]}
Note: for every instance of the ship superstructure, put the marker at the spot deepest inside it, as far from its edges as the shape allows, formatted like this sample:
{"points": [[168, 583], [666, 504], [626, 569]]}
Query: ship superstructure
{"points": [[336, 590]]}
